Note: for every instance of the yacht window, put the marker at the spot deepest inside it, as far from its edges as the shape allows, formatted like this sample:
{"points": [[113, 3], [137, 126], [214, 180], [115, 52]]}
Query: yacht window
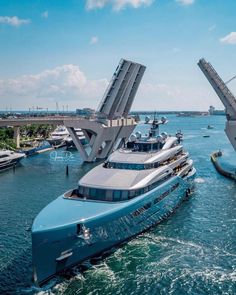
{"points": [[131, 194], [136, 193], [141, 210], [147, 206], [174, 187], [124, 195], [86, 192], [100, 194], [155, 146], [81, 190], [92, 192], [130, 145], [3, 156], [78, 229], [145, 189], [130, 166], [117, 195], [109, 195]]}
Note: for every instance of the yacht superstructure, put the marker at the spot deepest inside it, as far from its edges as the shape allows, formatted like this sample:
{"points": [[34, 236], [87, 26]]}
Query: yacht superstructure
{"points": [[9, 159], [139, 185]]}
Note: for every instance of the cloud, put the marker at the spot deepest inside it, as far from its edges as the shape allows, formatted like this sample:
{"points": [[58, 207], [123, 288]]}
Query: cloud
{"points": [[185, 2], [120, 4], [68, 85], [167, 96], [176, 49], [212, 28], [93, 4], [65, 83], [14, 21], [44, 14], [229, 39], [159, 90], [117, 4], [93, 40]]}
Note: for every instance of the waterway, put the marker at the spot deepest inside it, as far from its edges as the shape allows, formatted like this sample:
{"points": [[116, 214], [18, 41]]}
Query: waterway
{"points": [[193, 252]]}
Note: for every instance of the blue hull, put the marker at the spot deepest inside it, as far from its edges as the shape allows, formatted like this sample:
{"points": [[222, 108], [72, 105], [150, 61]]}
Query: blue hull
{"points": [[58, 246], [36, 150]]}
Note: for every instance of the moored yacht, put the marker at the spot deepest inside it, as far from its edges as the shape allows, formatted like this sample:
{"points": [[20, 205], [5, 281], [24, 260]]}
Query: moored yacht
{"points": [[9, 159], [138, 186], [60, 136], [69, 141]]}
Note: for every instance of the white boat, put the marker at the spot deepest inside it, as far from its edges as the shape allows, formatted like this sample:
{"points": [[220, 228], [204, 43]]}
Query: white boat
{"points": [[58, 136], [61, 137], [9, 159], [69, 141]]}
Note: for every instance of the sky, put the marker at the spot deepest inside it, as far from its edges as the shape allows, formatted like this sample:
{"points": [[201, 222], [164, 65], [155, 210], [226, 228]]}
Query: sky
{"points": [[65, 51]]}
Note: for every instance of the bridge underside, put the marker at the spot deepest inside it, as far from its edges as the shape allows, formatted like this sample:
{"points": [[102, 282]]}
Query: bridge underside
{"points": [[102, 139]]}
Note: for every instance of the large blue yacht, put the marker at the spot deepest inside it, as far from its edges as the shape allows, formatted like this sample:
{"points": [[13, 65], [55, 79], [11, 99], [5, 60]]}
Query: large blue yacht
{"points": [[139, 185]]}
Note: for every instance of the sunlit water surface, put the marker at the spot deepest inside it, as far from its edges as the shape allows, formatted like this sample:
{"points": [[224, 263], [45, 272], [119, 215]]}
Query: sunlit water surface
{"points": [[193, 252]]}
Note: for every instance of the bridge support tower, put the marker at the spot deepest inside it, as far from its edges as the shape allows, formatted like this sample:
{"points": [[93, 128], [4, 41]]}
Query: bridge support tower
{"points": [[17, 136], [112, 125]]}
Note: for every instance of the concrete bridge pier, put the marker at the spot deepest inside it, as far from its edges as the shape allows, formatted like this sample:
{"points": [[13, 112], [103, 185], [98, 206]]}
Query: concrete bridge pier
{"points": [[103, 137], [17, 136]]}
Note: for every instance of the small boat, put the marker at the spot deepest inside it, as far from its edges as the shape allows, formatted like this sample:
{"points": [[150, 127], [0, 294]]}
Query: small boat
{"points": [[185, 114], [9, 159], [206, 136], [210, 127]]}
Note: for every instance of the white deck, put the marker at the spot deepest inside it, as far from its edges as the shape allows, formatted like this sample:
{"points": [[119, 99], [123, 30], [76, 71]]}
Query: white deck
{"points": [[109, 178], [129, 156]]}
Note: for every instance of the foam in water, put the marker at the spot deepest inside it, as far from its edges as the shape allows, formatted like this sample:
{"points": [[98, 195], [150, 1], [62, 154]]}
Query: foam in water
{"points": [[199, 180]]}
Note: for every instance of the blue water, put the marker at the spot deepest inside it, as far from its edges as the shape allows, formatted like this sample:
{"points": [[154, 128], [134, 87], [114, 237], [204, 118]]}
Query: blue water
{"points": [[193, 252]]}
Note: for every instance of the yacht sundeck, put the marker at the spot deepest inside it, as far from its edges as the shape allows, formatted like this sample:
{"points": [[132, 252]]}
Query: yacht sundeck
{"points": [[138, 186], [9, 159]]}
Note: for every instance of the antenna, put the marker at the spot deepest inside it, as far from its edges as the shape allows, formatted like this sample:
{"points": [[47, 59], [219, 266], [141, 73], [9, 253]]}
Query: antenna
{"points": [[230, 79]]}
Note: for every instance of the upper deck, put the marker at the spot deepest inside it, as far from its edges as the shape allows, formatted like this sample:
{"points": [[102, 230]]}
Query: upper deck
{"points": [[121, 179], [139, 156]]}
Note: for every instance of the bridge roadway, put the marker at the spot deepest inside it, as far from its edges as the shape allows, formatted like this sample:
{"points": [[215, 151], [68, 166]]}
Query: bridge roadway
{"points": [[59, 120]]}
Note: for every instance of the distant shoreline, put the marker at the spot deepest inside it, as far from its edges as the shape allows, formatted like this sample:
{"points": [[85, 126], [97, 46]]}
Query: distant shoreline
{"points": [[73, 113]]}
